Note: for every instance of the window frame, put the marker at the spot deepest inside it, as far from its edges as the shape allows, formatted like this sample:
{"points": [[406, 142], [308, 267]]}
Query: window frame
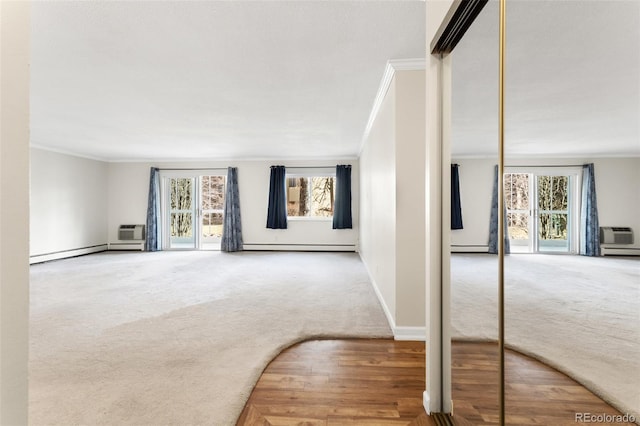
{"points": [[309, 173]]}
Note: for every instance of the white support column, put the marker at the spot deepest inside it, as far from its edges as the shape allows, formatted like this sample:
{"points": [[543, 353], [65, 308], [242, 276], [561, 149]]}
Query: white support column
{"points": [[446, 233], [437, 396], [15, 32]]}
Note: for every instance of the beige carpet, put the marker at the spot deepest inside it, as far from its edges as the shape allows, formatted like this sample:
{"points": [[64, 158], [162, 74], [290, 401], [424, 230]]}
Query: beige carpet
{"points": [[580, 315], [180, 337]]}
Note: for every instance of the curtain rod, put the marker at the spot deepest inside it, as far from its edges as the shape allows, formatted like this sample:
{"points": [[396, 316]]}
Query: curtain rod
{"points": [[546, 165], [310, 167], [197, 168]]}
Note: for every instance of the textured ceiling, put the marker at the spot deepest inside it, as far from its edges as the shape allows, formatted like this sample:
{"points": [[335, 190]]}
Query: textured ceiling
{"points": [[274, 79], [572, 80], [205, 80]]}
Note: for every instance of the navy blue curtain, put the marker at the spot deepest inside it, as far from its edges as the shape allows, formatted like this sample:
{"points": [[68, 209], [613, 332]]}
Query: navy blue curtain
{"points": [[342, 209], [152, 238], [493, 224], [589, 226], [277, 212], [456, 207], [232, 225]]}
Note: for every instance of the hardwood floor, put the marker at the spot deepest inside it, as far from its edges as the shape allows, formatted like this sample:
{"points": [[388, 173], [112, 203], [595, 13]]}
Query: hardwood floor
{"points": [[535, 393], [326, 382], [380, 382]]}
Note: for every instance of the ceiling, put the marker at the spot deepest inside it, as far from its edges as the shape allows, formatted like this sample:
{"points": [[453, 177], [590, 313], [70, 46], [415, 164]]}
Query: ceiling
{"points": [[173, 80], [572, 80], [181, 80]]}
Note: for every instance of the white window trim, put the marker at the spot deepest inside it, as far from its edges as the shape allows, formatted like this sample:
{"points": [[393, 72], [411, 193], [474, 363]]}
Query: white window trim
{"points": [[313, 172]]}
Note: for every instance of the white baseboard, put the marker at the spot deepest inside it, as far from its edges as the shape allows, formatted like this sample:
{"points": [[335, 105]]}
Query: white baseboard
{"points": [[383, 303], [299, 247], [63, 254], [416, 334], [426, 402], [469, 249]]}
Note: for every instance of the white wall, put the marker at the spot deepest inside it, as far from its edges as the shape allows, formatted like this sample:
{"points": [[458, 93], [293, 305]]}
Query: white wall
{"points": [[69, 201], [410, 198], [15, 31], [618, 193], [129, 186], [476, 187], [378, 204], [392, 242], [617, 188]]}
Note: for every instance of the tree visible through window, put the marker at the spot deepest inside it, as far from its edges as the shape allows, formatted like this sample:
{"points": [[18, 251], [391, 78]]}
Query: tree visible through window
{"points": [[181, 207], [310, 196]]}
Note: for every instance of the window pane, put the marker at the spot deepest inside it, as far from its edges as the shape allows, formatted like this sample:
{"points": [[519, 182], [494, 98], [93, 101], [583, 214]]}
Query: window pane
{"points": [[297, 196], [553, 226], [212, 225], [518, 224], [516, 191], [559, 192], [181, 194], [310, 196], [213, 192], [181, 225], [322, 199], [544, 192]]}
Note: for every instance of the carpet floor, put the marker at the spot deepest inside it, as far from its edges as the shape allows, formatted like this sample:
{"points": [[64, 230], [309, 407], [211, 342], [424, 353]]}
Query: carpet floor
{"points": [[180, 337], [580, 315]]}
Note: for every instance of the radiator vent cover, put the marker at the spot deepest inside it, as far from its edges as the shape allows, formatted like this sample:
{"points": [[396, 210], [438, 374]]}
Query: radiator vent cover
{"points": [[616, 235], [131, 232]]}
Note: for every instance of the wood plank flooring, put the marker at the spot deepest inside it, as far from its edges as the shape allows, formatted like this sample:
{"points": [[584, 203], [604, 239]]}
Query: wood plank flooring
{"points": [[380, 382], [328, 382]]}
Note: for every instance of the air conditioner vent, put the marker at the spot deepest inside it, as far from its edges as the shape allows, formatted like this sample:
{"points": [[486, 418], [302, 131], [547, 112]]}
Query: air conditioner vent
{"points": [[616, 235], [131, 232]]}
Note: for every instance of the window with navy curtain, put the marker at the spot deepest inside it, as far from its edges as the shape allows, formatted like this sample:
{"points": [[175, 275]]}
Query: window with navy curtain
{"points": [[277, 211], [342, 218], [456, 208], [152, 238]]}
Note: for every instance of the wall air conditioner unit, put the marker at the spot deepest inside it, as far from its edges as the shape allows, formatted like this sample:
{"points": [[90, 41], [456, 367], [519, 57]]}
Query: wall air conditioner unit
{"points": [[131, 232], [616, 235]]}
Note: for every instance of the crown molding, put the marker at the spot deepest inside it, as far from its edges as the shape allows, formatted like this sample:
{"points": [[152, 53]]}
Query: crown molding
{"points": [[393, 65], [47, 148]]}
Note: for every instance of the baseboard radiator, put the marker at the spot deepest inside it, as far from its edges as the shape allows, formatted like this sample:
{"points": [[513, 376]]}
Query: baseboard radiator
{"points": [[64, 254], [619, 251], [298, 247], [469, 249]]}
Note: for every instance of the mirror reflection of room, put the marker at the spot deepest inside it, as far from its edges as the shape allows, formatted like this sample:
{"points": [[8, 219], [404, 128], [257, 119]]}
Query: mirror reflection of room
{"points": [[572, 204]]}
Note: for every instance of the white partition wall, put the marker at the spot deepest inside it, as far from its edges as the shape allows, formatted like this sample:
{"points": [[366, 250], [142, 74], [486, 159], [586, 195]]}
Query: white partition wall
{"points": [[437, 396], [14, 210]]}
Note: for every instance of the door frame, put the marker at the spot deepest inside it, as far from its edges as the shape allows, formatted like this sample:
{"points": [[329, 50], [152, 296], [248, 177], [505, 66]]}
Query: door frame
{"points": [[196, 175], [574, 187]]}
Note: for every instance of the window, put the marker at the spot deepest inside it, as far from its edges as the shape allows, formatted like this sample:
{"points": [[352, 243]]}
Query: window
{"points": [[540, 209], [193, 203], [310, 196]]}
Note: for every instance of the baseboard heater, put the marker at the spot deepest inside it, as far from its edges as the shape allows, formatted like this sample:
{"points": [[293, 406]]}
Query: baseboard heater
{"points": [[615, 241], [64, 254], [298, 247], [130, 237], [619, 251], [469, 249]]}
